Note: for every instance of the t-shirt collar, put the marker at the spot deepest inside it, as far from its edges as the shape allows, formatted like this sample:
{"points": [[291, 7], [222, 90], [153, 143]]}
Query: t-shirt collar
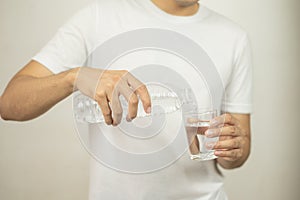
{"points": [[199, 15]]}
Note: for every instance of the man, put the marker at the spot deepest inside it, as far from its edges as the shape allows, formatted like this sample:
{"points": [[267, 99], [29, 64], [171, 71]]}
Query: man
{"points": [[52, 76]]}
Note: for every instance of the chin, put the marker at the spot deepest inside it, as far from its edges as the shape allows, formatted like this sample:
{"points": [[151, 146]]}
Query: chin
{"points": [[186, 2]]}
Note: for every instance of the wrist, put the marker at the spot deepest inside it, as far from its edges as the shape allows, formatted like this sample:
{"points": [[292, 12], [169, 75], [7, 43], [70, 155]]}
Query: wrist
{"points": [[71, 77]]}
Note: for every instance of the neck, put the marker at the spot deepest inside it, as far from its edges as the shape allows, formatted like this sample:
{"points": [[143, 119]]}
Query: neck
{"points": [[175, 8]]}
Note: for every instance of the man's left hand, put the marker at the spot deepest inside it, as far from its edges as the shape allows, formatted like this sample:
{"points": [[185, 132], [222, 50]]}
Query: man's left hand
{"points": [[233, 146]]}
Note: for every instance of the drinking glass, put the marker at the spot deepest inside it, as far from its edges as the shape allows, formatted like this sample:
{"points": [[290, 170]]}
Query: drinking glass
{"points": [[196, 123]]}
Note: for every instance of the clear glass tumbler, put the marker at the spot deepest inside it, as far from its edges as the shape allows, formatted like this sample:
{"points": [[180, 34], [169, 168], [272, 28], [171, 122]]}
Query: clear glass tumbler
{"points": [[196, 123]]}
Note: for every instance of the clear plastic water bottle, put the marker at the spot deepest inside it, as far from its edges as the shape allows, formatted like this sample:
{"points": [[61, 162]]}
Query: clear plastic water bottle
{"points": [[86, 110]]}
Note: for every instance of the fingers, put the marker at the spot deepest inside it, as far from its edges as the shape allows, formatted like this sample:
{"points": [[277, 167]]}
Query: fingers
{"points": [[201, 130], [223, 131], [106, 111], [132, 106], [111, 85], [194, 145], [117, 111], [229, 155], [110, 106], [234, 143], [131, 98], [222, 120], [141, 90]]}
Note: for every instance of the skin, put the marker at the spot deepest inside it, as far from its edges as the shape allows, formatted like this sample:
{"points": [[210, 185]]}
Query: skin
{"points": [[233, 147], [233, 129], [27, 94], [178, 7], [35, 89]]}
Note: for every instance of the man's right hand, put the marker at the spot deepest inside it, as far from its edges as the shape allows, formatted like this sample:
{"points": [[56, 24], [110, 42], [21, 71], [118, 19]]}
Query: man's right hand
{"points": [[106, 86]]}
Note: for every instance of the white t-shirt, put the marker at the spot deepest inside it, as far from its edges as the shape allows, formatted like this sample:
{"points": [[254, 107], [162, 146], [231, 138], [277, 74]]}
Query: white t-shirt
{"points": [[225, 43]]}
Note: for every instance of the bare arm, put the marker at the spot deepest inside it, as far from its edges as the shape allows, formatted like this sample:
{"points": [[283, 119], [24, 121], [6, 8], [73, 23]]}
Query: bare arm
{"points": [[33, 91], [234, 134]]}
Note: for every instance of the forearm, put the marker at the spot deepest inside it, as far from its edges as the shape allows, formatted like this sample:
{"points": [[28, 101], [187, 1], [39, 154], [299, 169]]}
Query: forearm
{"points": [[27, 97]]}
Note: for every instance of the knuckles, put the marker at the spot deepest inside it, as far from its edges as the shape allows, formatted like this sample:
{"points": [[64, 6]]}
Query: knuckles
{"points": [[233, 130], [110, 86], [142, 87], [117, 75], [133, 100], [100, 95], [228, 117]]}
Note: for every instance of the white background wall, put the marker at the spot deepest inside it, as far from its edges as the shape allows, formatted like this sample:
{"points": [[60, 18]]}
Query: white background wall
{"points": [[43, 159]]}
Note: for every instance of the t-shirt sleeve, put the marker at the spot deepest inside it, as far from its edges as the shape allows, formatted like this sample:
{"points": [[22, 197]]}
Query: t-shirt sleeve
{"points": [[238, 92], [72, 43]]}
